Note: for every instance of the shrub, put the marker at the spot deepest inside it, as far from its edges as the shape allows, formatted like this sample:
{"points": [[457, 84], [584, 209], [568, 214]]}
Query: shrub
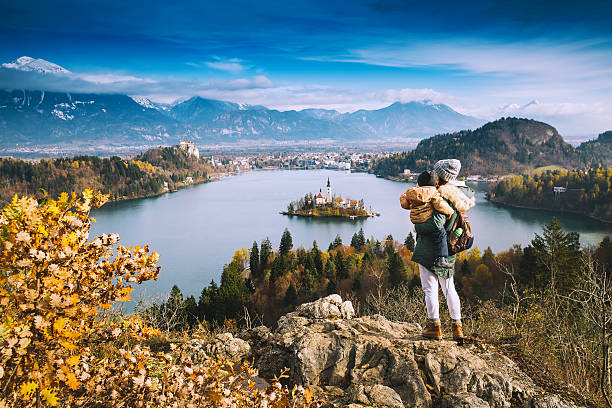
{"points": [[56, 349]]}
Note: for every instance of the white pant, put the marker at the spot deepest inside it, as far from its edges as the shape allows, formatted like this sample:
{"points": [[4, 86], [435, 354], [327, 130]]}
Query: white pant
{"points": [[429, 281]]}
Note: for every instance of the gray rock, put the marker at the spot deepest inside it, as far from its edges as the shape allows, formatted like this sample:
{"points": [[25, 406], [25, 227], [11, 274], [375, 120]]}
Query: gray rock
{"points": [[383, 396], [373, 361], [356, 393], [225, 345], [552, 401], [347, 310], [463, 400], [326, 308]]}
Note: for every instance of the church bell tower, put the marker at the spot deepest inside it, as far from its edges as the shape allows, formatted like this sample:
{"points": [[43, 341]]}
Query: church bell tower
{"points": [[328, 197]]}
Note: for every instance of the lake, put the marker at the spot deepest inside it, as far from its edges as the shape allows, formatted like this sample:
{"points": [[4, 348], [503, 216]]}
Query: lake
{"points": [[197, 229]]}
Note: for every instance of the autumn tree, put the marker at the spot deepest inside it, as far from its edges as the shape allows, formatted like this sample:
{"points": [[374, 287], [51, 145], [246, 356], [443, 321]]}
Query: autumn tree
{"points": [[53, 282]]}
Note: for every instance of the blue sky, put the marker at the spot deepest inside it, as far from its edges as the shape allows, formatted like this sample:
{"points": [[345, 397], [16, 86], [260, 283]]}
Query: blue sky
{"points": [[484, 58]]}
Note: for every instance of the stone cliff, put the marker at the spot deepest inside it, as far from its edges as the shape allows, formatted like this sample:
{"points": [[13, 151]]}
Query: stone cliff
{"points": [[353, 362]]}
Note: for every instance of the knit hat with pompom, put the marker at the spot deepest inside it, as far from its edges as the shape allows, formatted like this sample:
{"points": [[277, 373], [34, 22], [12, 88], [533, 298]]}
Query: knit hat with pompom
{"points": [[447, 169]]}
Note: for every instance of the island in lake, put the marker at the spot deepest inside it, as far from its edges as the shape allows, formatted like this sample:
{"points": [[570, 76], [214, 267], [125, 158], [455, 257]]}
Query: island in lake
{"points": [[328, 206]]}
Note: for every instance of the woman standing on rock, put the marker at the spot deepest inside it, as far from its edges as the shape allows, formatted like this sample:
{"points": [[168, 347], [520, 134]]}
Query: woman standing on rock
{"points": [[461, 199]]}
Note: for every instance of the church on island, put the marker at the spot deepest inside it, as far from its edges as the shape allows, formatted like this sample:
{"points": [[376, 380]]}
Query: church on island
{"points": [[327, 206], [338, 201]]}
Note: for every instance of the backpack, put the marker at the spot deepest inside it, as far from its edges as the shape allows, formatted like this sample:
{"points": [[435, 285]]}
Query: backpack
{"points": [[459, 235]]}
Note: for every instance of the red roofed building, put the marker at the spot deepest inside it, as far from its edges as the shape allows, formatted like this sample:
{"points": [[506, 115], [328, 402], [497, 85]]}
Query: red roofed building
{"points": [[319, 199]]}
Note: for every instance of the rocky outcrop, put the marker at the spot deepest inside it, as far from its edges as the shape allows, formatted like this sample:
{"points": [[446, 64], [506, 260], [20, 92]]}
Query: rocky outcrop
{"points": [[224, 345], [371, 361]]}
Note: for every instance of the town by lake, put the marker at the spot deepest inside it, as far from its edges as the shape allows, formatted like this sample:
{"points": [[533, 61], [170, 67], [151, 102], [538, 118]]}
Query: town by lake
{"points": [[197, 229]]}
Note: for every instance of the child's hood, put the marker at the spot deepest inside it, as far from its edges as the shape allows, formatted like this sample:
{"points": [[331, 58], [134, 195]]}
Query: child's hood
{"points": [[458, 199], [416, 196]]}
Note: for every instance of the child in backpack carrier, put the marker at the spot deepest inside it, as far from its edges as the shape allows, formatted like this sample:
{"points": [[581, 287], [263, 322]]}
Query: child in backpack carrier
{"points": [[422, 200]]}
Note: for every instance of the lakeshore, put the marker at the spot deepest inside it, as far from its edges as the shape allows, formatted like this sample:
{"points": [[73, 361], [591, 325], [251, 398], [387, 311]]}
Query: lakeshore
{"points": [[534, 208], [198, 228]]}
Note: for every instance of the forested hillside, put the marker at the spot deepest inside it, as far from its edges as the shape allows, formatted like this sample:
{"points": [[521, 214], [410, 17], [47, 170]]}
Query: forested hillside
{"points": [[506, 297], [142, 176], [507, 145], [586, 192]]}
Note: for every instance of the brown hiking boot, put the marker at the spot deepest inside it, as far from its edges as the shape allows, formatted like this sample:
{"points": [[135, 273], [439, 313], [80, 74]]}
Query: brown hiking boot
{"points": [[457, 332], [433, 330]]}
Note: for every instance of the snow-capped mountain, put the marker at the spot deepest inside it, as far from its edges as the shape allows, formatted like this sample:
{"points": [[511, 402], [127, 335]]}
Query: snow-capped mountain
{"points": [[42, 117], [35, 64], [39, 116], [147, 103], [47, 118], [516, 109]]}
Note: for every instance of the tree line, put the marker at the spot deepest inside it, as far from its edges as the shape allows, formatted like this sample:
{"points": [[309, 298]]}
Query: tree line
{"points": [[144, 175], [586, 192], [507, 145]]}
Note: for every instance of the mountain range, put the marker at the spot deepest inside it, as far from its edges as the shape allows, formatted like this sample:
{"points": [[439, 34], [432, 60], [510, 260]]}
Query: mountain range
{"points": [[40, 117]]}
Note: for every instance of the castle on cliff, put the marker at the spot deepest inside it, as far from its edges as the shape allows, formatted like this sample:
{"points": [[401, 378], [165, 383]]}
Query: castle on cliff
{"points": [[190, 148]]}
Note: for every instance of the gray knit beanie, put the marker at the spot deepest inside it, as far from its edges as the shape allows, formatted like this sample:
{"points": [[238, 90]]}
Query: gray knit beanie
{"points": [[447, 169]]}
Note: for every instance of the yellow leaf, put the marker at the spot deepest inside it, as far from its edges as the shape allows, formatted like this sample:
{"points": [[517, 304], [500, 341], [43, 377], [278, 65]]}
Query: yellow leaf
{"points": [[88, 194], [72, 382], [213, 396], [27, 388], [50, 397], [68, 346], [72, 360], [59, 324]]}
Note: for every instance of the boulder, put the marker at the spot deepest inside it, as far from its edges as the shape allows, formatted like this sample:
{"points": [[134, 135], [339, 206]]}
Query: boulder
{"points": [[330, 307], [224, 345], [371, 361]]}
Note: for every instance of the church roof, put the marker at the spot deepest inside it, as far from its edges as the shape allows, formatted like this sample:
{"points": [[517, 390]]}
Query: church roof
{"points": [[320, 195]]}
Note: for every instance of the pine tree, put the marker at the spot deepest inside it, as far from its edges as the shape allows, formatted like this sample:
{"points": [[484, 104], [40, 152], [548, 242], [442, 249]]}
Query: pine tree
{"points": [[341, 266], [488, 258], [358, 240], [254, 260], [318, 258], [395, 266], [290, 295], [233, 293], [556, 255], [286, 243], [264, 254], [355, 241], [409, 242], [389, 245], [276, 269], [335, 243], [330, 270], [191, 312]]}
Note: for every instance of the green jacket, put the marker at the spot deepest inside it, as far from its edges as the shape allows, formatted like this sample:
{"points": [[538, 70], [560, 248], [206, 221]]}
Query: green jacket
{"points": [[423, 251]]}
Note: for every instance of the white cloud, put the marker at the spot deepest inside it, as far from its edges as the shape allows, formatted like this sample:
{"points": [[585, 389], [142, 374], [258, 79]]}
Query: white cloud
{"points": [[577, 59], [571, 118], [111, 78], [232, 65]]}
